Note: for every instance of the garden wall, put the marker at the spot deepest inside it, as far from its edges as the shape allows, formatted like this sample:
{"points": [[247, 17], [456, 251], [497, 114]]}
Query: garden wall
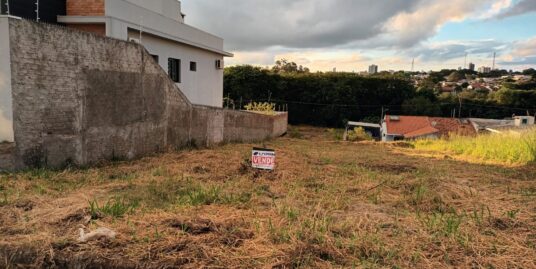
{"points": [[80, 98]]}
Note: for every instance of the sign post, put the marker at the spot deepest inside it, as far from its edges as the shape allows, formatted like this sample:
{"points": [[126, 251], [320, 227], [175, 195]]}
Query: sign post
{"points": [[263, 159]]}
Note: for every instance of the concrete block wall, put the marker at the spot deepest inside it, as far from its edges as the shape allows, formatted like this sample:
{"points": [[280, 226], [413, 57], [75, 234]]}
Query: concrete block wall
{"points": [[80, 98]]}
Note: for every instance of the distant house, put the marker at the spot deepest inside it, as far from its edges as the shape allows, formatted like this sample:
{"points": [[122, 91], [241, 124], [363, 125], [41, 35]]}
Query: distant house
{"points": [[499, 126], [416, 127]]}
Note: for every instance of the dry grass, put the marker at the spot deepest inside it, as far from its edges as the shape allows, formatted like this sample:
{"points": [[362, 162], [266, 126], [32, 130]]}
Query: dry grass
{"points": [[513, 148], [328, 205]]}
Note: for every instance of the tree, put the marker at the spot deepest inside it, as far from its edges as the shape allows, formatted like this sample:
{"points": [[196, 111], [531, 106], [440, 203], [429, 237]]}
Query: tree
{"points": [[455, 77], [284, 66], [421, 106]]}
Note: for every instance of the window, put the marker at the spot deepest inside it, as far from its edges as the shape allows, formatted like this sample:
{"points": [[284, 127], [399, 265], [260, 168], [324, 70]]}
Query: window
{"points": [[193, 66], [174, 69], [155, 57], [524, 121], [219, 64]]}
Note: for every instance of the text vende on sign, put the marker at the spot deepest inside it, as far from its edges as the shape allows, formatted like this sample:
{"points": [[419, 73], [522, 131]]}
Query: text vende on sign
{"points": [[263, 158]]}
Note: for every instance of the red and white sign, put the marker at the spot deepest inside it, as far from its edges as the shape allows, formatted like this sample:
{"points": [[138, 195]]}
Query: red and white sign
{"points": [[263, 159]]}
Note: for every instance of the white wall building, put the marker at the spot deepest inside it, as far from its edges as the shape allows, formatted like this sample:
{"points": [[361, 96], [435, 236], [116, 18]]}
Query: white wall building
{"points": [[193, 58]]}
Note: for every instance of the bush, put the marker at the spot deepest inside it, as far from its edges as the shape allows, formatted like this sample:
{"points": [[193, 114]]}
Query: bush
{"points": [[263, 108], [358, 134]]}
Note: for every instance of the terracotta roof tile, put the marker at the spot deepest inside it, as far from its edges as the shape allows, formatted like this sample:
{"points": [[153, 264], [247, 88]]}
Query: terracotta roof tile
{"points": [[417, 126]]}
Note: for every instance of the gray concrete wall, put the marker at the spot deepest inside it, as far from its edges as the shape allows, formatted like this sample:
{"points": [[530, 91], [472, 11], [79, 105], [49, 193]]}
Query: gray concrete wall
{"points": [[79, 98]]}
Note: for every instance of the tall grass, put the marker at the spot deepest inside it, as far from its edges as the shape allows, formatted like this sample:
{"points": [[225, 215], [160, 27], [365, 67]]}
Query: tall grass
{"points": [[508, 148]]}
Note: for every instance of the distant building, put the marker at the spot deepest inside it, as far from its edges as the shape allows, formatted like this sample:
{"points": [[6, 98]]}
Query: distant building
{"points": [[472, 66], [517, 123], [417, 127], [373, 69], [484, 69]]}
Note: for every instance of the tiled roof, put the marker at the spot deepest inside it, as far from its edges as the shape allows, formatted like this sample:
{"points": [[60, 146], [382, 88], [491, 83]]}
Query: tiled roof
{"points": [[417, 126]]}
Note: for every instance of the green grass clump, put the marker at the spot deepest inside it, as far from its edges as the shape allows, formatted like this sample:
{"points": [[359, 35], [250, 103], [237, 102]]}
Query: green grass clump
{"points": [[507, 148], [115, 208]]}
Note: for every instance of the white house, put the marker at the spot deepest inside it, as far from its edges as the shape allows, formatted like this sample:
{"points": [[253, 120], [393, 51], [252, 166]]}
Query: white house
{"points": [[193, 58]]}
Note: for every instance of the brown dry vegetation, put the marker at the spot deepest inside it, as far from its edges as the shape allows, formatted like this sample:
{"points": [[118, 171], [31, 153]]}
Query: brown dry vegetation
{"points": [[328, 205]]}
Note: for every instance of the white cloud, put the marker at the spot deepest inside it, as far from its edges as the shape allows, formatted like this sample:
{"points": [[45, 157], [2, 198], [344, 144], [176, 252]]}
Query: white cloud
{"points": [[325, 34], [408, 28]]}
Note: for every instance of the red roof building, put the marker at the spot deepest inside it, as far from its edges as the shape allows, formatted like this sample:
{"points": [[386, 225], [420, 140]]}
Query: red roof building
{"points": [[414, 127]]}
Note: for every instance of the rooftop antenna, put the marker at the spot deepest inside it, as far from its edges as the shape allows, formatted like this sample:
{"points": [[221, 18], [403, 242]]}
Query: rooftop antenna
{"points": [[494, 56], [37, 10]]}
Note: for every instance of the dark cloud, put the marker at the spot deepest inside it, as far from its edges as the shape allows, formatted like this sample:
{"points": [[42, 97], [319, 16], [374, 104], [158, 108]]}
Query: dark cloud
{"points": [[252, 25], [522, 7]]}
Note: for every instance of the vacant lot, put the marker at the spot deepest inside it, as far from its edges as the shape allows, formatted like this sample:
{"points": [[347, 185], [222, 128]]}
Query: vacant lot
{"points": [[328, 205]]}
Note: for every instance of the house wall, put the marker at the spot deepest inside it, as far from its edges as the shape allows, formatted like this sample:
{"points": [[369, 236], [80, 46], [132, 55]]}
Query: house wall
{"points": [[79, 98], [126, 15], [204, 86], [85, 7], [168, 8], [95, 28], [6, 115]]}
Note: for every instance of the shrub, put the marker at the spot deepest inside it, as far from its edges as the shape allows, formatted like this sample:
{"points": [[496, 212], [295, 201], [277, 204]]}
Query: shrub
{"points": [[358, 134], [263, 108], [115, 208]]}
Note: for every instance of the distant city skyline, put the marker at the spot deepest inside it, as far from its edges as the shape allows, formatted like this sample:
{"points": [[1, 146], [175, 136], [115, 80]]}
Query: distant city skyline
{"points": [[350, 35]]}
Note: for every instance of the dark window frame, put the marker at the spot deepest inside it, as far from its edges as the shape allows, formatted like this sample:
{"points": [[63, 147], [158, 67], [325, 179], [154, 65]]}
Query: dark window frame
{"points": [[174, 69], [193, 66]]}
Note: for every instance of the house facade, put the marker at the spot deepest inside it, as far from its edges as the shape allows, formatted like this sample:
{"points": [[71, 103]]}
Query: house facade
{"points": [[193, 58]]}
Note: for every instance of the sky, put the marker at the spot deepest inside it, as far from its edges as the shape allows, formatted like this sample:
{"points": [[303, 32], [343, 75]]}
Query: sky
{"points": [[350, 35]]}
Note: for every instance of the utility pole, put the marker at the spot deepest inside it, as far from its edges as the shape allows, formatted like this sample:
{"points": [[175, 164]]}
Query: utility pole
{"points": [[413, 65], [465, 63], [37, 10]]}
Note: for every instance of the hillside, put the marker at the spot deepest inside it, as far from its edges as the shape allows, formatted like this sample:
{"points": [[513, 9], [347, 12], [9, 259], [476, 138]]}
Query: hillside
{"points": [[328, 205]]}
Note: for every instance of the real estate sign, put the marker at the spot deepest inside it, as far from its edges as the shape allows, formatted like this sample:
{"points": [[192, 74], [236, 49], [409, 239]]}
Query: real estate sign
{"points": [[263, 158]]}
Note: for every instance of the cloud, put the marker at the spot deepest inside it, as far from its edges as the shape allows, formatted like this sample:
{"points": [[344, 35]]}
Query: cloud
{"points": [[348, 34], [410, 27], [254, 25], [525, 48], [523, 53], [522, 7], [455, 49]]}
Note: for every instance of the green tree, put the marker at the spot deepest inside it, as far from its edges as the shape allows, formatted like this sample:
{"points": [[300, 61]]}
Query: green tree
{"points": [[421, 106]]}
